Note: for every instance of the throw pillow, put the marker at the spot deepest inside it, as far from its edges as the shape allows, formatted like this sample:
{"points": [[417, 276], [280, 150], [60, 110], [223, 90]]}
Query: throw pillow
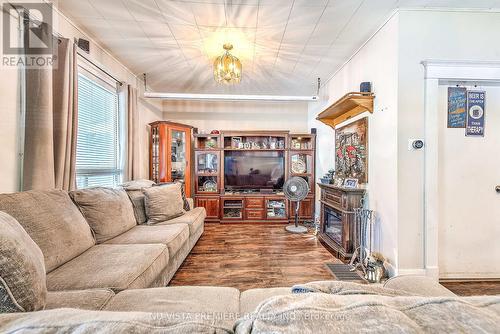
{"points": [[53, 221], [186, 205], [163, 203], [134, 192], [22, 269], [108, 211]]}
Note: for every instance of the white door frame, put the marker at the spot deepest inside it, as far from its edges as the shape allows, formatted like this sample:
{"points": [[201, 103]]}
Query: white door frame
{"points": [[435, 71]]}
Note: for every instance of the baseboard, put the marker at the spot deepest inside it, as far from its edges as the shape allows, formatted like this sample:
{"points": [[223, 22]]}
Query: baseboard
{"points": [[419, 272], [432, 272], [470, 277]]}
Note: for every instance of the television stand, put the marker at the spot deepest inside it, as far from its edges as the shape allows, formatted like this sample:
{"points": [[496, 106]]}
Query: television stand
{"points": [[261, 206]]}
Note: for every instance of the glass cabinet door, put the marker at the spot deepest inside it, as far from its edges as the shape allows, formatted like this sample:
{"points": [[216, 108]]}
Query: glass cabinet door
{"points": [[207, 172], [178, 151], [207, 163]]}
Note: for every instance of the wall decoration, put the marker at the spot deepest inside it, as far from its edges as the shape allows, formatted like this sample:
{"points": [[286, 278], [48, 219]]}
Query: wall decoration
{"points": [[475, 113], [351, 151], [457, 105]]}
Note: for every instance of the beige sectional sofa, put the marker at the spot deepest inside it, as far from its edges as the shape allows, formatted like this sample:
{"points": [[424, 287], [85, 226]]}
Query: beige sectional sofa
{"points": [[135, 256], [55, 278]]}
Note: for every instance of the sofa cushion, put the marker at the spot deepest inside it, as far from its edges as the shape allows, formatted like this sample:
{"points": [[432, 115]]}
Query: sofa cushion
{"points": [[418, 285], [53, 221], [108, 211], [163, 202], [174, 236], [325, 313], [250, 299], [217, 306], [22, 269], [194, 219], [93, 299], [134, 191], [83, 321], [117, 267]]}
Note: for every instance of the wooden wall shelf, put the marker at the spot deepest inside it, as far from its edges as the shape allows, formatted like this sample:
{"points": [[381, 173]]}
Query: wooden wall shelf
{"points": [[350, 105]]}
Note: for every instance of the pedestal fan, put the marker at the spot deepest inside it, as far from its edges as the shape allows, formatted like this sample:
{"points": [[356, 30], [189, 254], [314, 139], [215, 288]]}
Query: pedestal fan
{"points": [[296, 189]]}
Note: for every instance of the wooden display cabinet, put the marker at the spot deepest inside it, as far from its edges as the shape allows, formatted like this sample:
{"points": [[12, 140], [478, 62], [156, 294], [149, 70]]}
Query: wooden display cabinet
{"points": [[302, 164], [268, 205], [170, 153]]}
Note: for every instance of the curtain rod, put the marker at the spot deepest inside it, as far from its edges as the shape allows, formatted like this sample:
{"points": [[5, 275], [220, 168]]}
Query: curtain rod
{"points": [[96, 65]]}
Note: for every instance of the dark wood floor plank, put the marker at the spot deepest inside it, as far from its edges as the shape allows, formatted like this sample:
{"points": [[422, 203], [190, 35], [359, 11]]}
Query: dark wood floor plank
{"points": [[254, 256], [264, 256], [473, 288]]}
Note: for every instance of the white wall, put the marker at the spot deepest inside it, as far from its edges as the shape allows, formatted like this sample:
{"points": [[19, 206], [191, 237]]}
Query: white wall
{"points": [[377, 62], [241, 115], [425, 35], [10, 91]]}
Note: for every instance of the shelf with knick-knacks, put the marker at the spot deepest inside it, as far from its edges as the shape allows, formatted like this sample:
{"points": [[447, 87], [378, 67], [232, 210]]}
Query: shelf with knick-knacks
{"points": [[255, 142], [206, 141], [302, 142]]}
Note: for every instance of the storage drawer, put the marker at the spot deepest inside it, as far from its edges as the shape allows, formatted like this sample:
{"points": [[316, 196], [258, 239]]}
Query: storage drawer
{"points": [[254, 203], [332, 196], [255, 214]]}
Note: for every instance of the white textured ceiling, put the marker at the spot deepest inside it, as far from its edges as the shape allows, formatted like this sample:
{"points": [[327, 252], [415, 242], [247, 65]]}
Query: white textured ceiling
{"points": [[284, 45]]}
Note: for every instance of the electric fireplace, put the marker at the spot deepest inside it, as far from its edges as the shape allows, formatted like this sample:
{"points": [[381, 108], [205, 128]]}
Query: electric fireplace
{"points": [[337, 218]]}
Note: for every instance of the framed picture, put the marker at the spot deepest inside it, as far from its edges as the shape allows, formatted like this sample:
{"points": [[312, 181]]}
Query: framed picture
{"points": [[457, 101], [235, 142], [351, 183], [476, 109], [351, 151]]}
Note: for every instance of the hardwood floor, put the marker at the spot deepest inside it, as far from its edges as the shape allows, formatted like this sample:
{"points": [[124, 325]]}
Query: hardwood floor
{"points": [[264, 256], [254, 256], [473, 288]]}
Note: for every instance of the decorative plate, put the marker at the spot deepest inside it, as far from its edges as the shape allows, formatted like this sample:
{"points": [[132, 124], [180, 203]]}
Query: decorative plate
{"points": [[298, 166], [210, 186]]}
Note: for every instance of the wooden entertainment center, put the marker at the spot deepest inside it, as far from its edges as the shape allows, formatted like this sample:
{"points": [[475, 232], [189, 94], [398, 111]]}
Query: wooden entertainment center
{"points": [[226, 203]]}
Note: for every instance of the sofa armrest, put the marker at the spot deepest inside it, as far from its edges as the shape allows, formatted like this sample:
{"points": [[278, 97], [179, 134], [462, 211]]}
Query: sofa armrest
{"points": [[418, 285], [191, 203]]}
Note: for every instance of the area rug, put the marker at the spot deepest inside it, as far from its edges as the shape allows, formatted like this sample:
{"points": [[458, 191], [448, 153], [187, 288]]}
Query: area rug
{"points": [[342, 272]]}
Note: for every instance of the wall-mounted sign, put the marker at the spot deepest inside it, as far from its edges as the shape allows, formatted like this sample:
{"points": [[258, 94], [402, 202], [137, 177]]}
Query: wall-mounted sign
{"points": [[457, 105], [475, 113]]}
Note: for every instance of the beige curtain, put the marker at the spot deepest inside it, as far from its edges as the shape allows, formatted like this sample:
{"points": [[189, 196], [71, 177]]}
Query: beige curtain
{"points": [[51, 123], [132, 165]]}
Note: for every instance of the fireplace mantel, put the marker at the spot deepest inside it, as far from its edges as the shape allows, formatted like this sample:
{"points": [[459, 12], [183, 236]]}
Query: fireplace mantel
{"points": [[337, 218]]}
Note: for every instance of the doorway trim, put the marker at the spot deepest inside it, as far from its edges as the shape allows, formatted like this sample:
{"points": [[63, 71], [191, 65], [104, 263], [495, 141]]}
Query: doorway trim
{"points": [[436, 71]]}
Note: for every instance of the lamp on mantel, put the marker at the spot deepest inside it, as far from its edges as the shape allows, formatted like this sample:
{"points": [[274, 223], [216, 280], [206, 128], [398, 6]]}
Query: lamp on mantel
{"points": [[227, 68]]}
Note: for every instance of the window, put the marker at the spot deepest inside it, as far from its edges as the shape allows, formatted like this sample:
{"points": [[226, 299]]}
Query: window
{"points": [[98, 157]]}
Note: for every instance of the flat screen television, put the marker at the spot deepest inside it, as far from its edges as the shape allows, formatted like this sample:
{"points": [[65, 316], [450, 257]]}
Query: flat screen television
{"points": [[254, 170]]}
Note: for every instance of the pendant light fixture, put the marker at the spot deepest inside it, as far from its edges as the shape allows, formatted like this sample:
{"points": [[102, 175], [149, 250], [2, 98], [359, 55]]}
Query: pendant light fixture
{"points": [[227, 68]]}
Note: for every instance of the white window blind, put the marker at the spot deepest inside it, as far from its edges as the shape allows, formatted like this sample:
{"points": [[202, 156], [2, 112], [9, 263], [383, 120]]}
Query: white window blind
{"points": [[98, 161]]}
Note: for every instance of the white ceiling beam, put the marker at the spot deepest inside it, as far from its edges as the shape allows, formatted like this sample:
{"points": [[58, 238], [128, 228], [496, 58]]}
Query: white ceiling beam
{"points": [[230, 97]]}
